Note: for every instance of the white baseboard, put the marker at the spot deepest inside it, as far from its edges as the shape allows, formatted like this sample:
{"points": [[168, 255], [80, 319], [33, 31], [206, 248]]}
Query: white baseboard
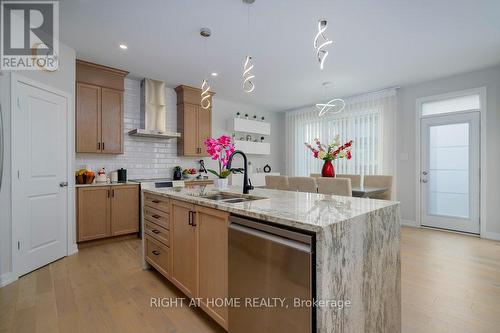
{"points": [[7, 278], [491, 235], [409, 223], [72, 249]]}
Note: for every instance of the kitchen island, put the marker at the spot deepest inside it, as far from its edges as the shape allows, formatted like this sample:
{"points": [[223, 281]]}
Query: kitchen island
{"points": [[357, 251]]}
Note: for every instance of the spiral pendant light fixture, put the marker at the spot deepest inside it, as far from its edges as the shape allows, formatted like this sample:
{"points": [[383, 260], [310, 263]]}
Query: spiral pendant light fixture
{"points": [[248, 76], [333, 106], [321, 42], [205, 86]]}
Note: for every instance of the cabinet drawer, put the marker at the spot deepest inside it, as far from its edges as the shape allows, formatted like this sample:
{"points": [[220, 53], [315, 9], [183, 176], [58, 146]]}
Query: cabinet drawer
{"points": [[157, 216], [157, 232], [158, 255], [156, 201]]}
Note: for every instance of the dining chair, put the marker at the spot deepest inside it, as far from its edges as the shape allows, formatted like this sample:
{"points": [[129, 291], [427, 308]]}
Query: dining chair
{"points": [[355, 179], [302, 184], [315, 175], [380, 181], [335, 186], [277, 182]]}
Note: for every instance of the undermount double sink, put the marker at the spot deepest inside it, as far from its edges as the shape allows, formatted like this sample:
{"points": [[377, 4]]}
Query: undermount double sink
{"points": [[230, 197]]}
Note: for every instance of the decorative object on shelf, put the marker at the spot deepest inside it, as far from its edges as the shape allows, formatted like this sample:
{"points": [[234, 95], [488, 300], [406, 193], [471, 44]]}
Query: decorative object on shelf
{"points": [[101, 176], [261, 139], [177, 173], [237, 114], [254, 117], [220, 149], [262, 119], [248, 76], [333, 106], [330, 152], [320, 46], [246, 115], [249, 137], [84, 176], [255, 140], [205, 86], [188, 173], [267, 168]]}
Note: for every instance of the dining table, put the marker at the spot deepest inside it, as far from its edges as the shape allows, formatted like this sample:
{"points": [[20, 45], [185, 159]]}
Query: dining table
{"points": [[367, 191]]}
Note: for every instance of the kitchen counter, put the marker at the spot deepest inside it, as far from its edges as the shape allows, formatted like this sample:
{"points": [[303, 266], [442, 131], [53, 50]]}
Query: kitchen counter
{"points": [[105, 184], [357, 250]]}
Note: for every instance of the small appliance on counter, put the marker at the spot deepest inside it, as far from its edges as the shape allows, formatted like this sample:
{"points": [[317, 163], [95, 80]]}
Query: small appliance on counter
{"points": [[122, 175], [101, 176], [114, 176]]}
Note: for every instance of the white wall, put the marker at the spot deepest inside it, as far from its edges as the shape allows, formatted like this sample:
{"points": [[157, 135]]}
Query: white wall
{"points": [[153, 158], [406, 189], [63, 79]]}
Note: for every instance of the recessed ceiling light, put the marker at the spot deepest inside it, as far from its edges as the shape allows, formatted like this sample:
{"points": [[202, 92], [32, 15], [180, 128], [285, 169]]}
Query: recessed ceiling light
{"points": [[214, 74], [123, 46]]}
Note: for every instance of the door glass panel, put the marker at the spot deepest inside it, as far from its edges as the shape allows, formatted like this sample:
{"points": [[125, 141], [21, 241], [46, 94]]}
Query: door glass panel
{"points": [[462, 103], [448, 178]]}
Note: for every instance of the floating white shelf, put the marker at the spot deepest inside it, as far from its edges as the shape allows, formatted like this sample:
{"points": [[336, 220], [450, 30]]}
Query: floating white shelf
{"points": [[253, 148], [249, 126]]}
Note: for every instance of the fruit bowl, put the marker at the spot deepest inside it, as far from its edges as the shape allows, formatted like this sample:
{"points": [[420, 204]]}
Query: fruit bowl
{"points": [[84, 177]]}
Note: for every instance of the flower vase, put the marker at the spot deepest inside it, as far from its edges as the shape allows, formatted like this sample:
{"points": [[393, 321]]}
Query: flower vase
{"points": [[220, 183], [328, 170]]}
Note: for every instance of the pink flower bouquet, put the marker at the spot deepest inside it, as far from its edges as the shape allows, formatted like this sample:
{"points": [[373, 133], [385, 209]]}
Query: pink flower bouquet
{"points": [[220, 149]]}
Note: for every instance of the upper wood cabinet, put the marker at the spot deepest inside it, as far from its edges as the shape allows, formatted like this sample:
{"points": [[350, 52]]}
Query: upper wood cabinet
{"points": [[99, 108], [193, 122]]}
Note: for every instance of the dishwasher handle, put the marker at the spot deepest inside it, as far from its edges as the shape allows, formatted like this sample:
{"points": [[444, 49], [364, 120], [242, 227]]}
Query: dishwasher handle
{"points": [[270, 237]]}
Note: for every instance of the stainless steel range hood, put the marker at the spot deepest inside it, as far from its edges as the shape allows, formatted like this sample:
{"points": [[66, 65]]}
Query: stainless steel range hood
{"points": [[153, 111]]}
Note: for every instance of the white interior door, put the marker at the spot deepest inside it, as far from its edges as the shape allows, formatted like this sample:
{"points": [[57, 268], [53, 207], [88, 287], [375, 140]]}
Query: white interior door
{"points": [[449, 173], [39, 184]]}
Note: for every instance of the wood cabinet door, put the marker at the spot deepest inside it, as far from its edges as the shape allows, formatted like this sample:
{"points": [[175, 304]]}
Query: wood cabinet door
{"points": [[183, 247], [124, 209], [88, 118], [93, 213], [111, 121], [213, 260], [204, 129], [190, 132]]}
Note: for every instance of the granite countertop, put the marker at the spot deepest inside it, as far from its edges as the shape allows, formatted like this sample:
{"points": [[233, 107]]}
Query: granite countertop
{"points": [[106, 184], [307, 211]]}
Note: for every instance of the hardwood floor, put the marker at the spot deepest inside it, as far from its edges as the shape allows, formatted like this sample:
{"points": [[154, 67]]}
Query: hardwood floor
{"points": [[450, 283]]}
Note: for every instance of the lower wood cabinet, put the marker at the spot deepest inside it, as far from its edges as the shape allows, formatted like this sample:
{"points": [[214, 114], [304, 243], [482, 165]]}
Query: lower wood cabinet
{"points": [[183, 239], [198, 239], [212, 227], [105, 211]]}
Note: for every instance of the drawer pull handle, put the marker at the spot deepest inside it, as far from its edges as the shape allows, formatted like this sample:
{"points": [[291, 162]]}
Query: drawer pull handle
{"points": [[156, 231], [156, 201], [156, 253], [156, 216]]}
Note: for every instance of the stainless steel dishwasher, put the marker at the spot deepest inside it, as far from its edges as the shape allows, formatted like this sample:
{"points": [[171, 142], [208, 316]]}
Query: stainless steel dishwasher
{"points": [[267, 263]]}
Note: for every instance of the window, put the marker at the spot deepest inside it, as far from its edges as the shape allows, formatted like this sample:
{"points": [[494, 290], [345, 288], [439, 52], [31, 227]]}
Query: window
{"points": [[455, 104]]}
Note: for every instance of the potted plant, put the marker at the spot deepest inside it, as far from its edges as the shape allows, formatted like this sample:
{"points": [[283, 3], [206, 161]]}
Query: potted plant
{"points": [[220, 149], [330, 152], [177, 172]]}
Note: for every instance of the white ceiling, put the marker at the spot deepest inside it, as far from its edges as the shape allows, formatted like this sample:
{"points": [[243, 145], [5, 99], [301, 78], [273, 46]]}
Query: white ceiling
{"points": [[377, 43]]}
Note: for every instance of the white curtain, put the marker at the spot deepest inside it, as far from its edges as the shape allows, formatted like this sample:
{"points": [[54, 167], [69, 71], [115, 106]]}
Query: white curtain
{"points": [[368, 120]]}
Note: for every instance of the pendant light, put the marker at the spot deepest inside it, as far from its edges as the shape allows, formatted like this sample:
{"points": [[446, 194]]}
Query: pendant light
{"points": [[333, 106], [248, 76], [321, 42], [205, 86]]}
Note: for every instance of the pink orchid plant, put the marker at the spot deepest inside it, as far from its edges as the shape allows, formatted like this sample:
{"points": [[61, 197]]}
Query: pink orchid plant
{"points": [[220, 149]]}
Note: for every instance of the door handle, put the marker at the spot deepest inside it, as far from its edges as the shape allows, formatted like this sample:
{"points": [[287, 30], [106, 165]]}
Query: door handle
{"points": [[113, 193], [156, 231], [63, 184], [156, 253], [103, 146], [156, 216], [191, 218], [156, 201], [98, 146], [424, 181], [424, 173]]}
